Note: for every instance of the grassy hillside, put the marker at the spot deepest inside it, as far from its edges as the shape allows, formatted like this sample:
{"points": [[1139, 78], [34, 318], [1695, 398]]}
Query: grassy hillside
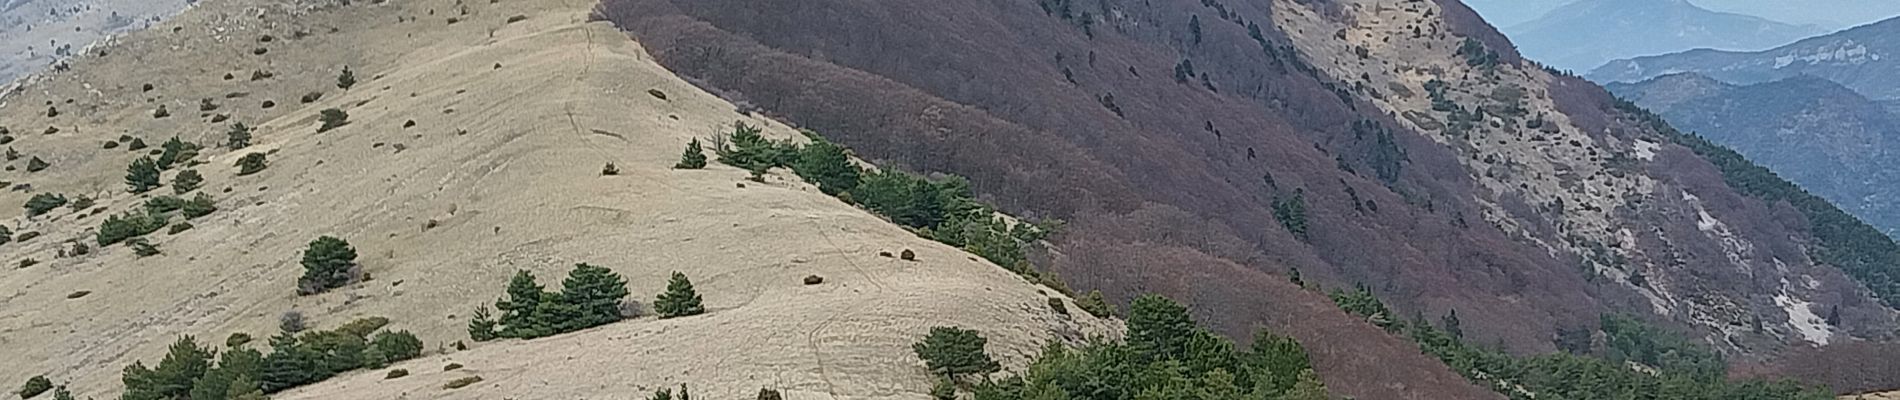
{"points": [[476, 138]]}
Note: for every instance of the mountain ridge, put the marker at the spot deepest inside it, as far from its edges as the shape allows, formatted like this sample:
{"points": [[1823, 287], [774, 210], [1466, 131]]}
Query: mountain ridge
{"points": [[1667, 26], [1858, 58]]}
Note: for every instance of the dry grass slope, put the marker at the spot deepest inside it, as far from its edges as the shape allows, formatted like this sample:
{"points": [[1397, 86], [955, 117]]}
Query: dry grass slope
{"points": [[513, 121]]}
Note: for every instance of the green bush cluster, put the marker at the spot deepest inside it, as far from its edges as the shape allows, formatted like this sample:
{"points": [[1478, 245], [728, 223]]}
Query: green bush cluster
{"points": [[142, 175], [308, 357], [252, 163], [238, 137], [34, 386], [175, 152], [332, 118], [954, 352], [589, 297], [1165, 357], [187, 181], [190, 371], [44, 202], [1682, 371], [127, 225], [1291, 212], [693, 158], [944, 210]]}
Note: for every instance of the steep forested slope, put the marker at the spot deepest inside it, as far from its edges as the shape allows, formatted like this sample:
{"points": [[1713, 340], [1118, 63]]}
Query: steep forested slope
{"points": [[1213, 150]]}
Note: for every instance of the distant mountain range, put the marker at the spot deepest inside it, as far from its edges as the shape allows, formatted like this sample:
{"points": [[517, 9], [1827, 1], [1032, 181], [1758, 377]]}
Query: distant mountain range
{"points": [[1585, 34], [1861, 58], [1824, 136]]}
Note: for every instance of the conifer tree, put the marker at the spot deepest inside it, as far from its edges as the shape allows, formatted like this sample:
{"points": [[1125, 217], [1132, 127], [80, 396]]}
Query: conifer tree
{"points": [[597, 292], [187, 181], [481, 328], [1159, 328], [826, 165], [952, 351], [331, 119], [184, 364], [238, 137], [174, 152], [251, 163], [34, 386], [679, 300], [142, 175], [346, 79], [518, 309], [693, 158], [327, 264]]}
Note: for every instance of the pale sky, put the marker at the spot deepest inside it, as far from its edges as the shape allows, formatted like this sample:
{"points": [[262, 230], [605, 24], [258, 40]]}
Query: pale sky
{"points": [[1829, 14]]}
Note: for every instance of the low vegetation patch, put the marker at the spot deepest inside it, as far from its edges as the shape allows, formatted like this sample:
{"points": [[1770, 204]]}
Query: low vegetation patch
{"points": [[589, 297], [328, 263], [1674, 368], [1165, 356]]}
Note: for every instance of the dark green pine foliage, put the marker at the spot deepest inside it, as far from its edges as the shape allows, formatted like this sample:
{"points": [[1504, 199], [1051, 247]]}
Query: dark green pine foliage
{"points": [[175, 152], [332, 118], [238, 137], [1158, 328], [346, 79], [1291, 212], [184, 364], [1681, 370], [298, 359], [34, 386], [518, 319], [198, 206], [187, 181], [911, 200], [954, 352], [680, 299], [142, 175], [596, 292], [328, 263], [388, 347], [44, 202], [828, 166], [131, 224], [252, 163], [482, 327], [589, 297], [1200, 365], [693, 158], [747, 148]]}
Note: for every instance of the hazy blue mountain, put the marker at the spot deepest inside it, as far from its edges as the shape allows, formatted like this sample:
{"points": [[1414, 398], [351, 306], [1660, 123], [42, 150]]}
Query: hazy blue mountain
{"points": [[1584, 34], [1513, 12], [1861, 58], [1819, 134]]}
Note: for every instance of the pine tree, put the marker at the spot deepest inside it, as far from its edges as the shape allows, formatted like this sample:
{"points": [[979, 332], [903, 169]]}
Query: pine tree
{"points": [[44, 202], [1307, 388], [331, 119], [679, 300], [1452, 326], [826, 165], [60, 393], [142, 175], [238, 137], [327, 264], [481, 328], [288, 365], [1158, 328], [661, 394], [142, 247], [175, 152], [187, 181], [951, 351], [597, 291], [251, 163], [517, 311], [198, 206], [693, 158], [34, 386], [346, 79], [184, 364]]}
